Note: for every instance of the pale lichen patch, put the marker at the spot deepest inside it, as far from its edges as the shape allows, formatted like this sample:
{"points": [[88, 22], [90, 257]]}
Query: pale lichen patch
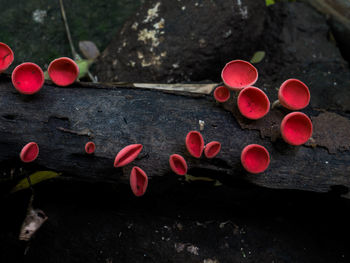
{"points": [[152, 13], [140, 55], [146, 35], [160, 24], [39, 16], [152, 61]]}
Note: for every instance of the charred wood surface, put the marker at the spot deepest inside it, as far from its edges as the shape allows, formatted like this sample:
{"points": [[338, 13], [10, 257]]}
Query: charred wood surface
{"points": [[62, 120]]}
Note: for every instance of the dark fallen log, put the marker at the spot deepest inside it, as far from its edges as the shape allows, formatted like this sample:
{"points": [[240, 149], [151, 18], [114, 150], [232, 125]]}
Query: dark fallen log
{"points": [[62, 120]]}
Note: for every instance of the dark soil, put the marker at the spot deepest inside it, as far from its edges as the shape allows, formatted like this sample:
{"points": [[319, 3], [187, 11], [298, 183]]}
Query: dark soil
{"points": [[192, 223]]}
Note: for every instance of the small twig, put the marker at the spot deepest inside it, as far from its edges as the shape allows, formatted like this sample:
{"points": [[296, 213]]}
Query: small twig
{"points": [[69, 36], [75, 54], [84, 132], [275, 104], [192, 88], [30, 183]]}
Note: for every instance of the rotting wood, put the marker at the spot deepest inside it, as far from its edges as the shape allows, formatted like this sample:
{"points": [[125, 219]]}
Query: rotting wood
{"points": [[119, 116]]}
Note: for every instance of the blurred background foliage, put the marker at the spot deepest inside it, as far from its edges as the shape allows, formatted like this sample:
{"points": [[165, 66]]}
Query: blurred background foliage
{"points": [[34, 29]]}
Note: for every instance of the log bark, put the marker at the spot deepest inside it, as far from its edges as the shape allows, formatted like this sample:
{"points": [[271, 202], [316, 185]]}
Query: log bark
{"points": [[62, 120]]}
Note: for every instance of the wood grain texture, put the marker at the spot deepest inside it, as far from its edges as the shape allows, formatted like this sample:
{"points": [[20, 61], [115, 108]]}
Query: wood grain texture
{"points": [[62, 120]]}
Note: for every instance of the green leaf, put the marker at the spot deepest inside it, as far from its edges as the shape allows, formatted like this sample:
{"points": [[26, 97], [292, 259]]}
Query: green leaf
{"points": [[192, 178], [83, 65], [46, 75], [257, 57], [217, 183], [35, 178], [269, 2]]}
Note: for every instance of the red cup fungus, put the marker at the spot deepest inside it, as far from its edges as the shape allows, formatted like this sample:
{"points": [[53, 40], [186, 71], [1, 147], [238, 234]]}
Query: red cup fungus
{"points": [[195, 143], [238, 74], [221, 94], [90, 147], [63, 71], [212, 149], [294, 94], [255, 158], [127, 155], [29, 152], [6, 56], [138, 181], [178, 164], [296, 128], [253, 103], [28, 78]]}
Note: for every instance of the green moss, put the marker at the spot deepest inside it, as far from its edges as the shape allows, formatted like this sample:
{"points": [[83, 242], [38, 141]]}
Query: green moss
{"points": [[93, 20]]}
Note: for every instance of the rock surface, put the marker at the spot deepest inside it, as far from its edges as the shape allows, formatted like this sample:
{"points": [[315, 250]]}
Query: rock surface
{"points": [[179, 41]]}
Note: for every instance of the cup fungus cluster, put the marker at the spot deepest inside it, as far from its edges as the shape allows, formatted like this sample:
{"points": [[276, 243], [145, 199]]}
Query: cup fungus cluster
{"points": [[28, 78], [253, 104], [6, 56], [237, 75], [195, 146], [138, 178]]}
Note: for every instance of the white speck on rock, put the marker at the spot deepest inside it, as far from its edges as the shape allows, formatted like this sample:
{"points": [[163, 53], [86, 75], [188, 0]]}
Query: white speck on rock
{"points": [[179, 247], [135, 26], [193, 250], [202, 43], [201, 125], [243, 10], [228, 34], [209, 260], [154, 60], [160, 24], [183, 8], [39, 16]]}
